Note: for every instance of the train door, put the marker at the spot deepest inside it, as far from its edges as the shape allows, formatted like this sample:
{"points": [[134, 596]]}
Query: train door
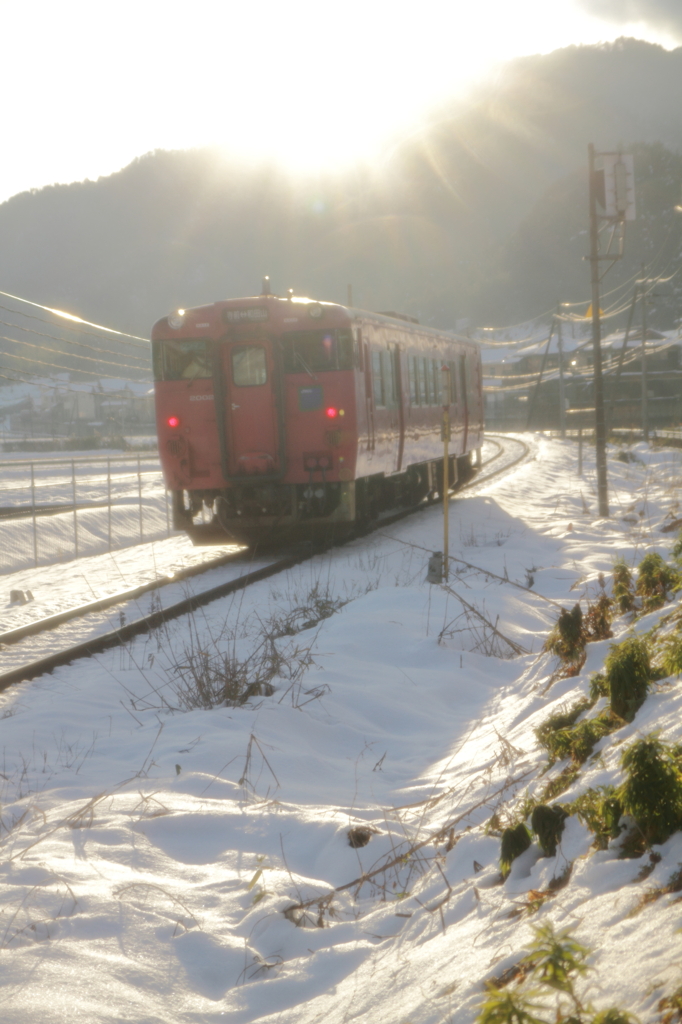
{"points": [[253, 434]]}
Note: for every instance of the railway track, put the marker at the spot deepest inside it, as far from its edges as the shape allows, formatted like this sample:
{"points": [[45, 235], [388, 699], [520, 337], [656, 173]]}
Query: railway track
{"points": [[39, 647]]}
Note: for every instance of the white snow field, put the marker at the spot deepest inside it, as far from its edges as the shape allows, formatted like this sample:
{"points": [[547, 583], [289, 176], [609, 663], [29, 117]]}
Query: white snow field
{"points": [[151, 850], [139, 506]]}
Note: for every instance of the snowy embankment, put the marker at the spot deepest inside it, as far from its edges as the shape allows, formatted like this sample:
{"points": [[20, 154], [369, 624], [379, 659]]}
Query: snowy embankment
{"points": [[164, 861]]}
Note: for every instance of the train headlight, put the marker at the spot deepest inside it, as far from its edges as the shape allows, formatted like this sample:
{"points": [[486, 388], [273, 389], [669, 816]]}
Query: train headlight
{"points": [[173, 421]]}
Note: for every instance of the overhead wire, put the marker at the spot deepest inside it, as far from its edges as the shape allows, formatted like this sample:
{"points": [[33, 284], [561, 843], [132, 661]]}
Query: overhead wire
{"points": [[69, 341], [76, 319], [72, 356]]}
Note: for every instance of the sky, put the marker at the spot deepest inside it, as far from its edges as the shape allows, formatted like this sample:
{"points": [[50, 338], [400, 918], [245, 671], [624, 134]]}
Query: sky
{"points": [[90, 86]]}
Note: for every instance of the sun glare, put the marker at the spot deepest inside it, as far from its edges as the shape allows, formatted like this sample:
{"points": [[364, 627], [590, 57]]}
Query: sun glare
{"points": [[309, 85]]}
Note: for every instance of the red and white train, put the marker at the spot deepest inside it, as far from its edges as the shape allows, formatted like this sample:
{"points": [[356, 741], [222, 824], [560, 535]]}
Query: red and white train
{"points": [[287, 417]]}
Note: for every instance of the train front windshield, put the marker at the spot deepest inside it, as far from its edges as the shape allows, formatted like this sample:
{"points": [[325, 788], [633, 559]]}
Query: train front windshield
{"points": [[181, 359], [315, 351]]}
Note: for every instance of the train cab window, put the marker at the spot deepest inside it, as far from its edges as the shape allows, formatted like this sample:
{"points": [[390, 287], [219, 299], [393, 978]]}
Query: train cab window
{"points": [[316, 351], [181, 359], [249, 368]]}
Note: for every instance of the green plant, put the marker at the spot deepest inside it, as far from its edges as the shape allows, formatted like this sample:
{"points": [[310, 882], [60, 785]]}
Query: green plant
{"points": [[548, 824], [567, 639], [652, 791], [559, 720], [599, 686], [508, 1007], [552, 966], [654, 579], [671, 660], [576, 741], [623, 590], [628, 673], [555, 787], [600, 810], [557, 958], [597, 621], [515, 841]]}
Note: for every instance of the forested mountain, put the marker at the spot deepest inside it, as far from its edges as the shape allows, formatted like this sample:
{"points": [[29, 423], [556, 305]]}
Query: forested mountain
{"points": [[483, 214]]}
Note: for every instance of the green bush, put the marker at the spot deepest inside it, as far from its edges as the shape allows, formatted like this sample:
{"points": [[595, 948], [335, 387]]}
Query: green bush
{"points": [[652, 791], [654, 580], [559, 720], [623, 590], [574, 741], [599, 687], [671, 661], [548, 824], [567, 639], [628, 673], [515, 841], [597, 621], [600, 810]]}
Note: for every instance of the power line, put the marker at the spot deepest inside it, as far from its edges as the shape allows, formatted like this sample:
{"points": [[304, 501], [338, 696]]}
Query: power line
{"points": [[68, 341], [69, 355], [70, 316]]}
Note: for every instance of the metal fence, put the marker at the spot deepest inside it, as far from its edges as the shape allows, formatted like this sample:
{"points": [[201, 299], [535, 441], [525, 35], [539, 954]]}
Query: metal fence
{"points": [[57, 509]]}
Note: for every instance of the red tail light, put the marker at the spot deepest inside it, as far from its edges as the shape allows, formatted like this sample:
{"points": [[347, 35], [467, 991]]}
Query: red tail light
{"points": [[173, 421], [332, 412]]}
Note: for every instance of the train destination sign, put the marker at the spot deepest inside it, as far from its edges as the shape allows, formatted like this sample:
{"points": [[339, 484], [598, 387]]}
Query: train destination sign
{"points": [[252, 313]]}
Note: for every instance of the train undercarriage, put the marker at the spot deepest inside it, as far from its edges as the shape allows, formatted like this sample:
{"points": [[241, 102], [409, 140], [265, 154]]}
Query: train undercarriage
{"points": [[270, 513]]}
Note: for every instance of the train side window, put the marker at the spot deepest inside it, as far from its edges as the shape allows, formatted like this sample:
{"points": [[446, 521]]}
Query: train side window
{"points": [[412, 374], [430, 383], [421, 368], [453, 382], [389, 378], [249, 368], [378, 378]]}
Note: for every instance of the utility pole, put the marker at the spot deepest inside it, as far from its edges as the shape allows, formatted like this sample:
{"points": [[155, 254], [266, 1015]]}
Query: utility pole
{"points": [[562, 391], [600, 425], [645, 395]]}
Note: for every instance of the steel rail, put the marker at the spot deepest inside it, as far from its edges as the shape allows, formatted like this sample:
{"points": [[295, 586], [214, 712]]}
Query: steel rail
{"points": [[127, 631]]}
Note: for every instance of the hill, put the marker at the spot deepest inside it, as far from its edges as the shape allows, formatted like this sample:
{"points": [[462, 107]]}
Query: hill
{"points": [[480, 215]]}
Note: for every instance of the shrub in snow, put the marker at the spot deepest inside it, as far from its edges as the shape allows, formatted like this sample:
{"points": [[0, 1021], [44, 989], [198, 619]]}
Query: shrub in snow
{"points": [[628, 673], [671, 660], [562, 738], [623, 589], [652, 791], [515, 841], [654, 580], [567, 639], [597, 621], [599, 686], [600, 810], [552, 968], [548, 824]]}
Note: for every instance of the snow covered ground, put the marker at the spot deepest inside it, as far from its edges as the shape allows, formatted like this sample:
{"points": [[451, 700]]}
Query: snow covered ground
{"points": [[165, 862]]}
